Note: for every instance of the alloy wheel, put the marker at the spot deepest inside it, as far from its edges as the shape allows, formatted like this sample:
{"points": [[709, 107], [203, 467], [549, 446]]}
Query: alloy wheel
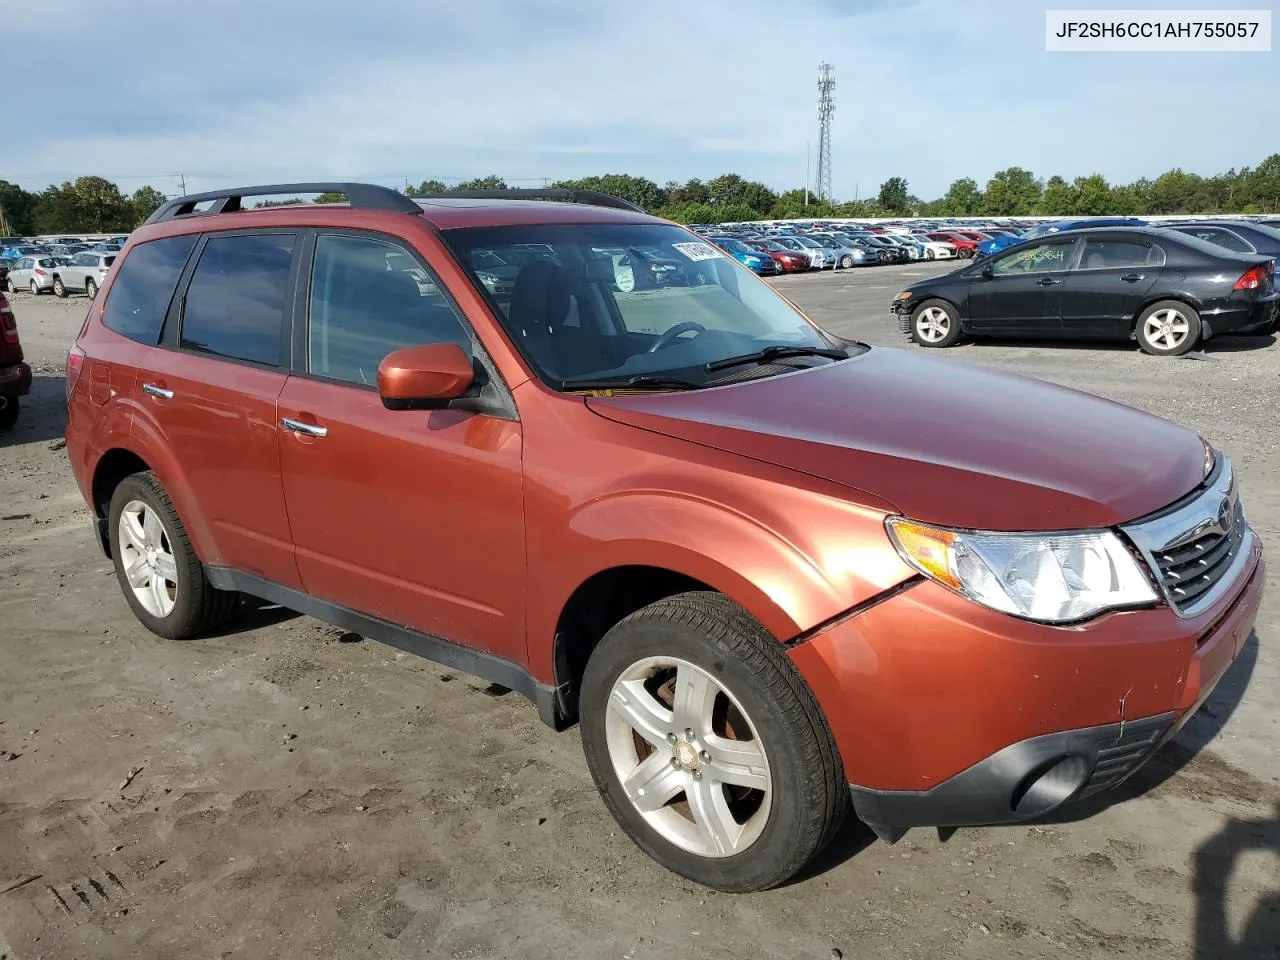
{"points": [[1166, 329], [146, 555], [932, 324], [688, 757]]}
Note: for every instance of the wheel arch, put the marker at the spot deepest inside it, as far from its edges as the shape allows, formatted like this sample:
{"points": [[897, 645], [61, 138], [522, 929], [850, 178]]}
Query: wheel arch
{"points": [[121, 461]]}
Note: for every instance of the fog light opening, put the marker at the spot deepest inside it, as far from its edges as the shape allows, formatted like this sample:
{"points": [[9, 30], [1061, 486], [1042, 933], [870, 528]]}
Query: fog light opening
{"points": [[1049, 786]]}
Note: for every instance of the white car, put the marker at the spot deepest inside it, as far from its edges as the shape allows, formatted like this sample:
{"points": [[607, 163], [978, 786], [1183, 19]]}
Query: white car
{"points": [[936, 249]]}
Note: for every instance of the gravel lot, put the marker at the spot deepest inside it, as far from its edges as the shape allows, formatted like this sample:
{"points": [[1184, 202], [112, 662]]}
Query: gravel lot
{"points": [[290, 791]]}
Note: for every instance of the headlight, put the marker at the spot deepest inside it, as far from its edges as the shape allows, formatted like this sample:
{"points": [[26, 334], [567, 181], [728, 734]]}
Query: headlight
{"points": [[488, 279], [1053, 578], [904, 295]]}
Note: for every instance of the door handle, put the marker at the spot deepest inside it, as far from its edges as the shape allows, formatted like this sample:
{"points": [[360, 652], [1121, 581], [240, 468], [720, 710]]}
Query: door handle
{"points": [[1047, 281], [1133, 277], [306, 429], [156, 391]]}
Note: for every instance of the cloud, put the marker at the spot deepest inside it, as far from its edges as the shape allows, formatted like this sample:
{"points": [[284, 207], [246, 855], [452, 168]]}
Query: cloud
{"points": [[930, 90]]}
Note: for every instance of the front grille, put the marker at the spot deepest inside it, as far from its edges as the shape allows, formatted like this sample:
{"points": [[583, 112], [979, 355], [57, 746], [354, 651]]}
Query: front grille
{"points": [[1118, 758], [1190, 571], [1196, 549]]}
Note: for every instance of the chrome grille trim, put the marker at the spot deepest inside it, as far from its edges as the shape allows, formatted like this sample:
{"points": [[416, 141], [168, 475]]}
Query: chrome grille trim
{"points": [[1198, 549]]}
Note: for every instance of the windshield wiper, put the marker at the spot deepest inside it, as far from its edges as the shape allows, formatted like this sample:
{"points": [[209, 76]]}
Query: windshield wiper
{"points": [[624, 383], [775, 352]]}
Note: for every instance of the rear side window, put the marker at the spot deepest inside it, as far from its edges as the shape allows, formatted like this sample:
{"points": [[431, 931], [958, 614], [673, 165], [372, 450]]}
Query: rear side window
{"points": [[144, 286], [236, 299], [1102, 254]]}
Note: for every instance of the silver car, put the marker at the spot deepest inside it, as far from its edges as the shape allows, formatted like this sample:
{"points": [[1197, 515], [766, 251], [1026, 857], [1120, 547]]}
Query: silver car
{"points": [[83, 273], [34, 273]]}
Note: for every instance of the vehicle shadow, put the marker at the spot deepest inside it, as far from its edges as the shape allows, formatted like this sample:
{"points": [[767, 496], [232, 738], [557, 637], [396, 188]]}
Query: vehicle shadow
{"points": [[1212, 867], [253, 614], [1220, 344], [42, 414]]}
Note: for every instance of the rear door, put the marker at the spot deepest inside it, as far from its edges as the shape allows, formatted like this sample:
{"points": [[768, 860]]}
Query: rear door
{"points": [[1101, 297], [210, 390], [1021, 292]]}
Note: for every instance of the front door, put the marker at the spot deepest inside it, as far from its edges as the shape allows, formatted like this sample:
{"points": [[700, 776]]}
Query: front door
{"points": [[1102, 296], [1021, 292], [413, 517]]}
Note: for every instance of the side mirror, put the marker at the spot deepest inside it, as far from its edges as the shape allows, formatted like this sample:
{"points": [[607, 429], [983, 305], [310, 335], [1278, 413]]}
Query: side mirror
{"points": [[987, 272], [425, 377]]}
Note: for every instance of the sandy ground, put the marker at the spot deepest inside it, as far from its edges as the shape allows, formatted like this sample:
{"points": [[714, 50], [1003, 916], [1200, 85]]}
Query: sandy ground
{"points": [[289, 791]]}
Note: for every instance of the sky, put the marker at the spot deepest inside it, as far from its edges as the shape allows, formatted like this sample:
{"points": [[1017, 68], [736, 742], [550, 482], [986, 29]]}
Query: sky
{"points": [[250, 91]]}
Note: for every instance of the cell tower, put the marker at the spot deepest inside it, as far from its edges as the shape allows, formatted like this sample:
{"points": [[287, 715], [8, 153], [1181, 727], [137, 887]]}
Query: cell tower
{"points": [[826, 107]]}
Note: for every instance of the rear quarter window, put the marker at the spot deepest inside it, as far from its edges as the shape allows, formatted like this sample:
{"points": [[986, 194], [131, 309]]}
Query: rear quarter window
{"points": [[144, 285]]}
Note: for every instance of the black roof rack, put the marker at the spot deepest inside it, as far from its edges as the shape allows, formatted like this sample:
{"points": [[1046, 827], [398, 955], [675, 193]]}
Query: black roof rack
{"points": [[593, 197], [363, 196]]}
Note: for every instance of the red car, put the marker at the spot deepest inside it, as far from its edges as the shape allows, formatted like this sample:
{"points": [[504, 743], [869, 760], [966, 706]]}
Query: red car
{"points": [[15, 376], [788, 260], [771, 571], [966, 247]]}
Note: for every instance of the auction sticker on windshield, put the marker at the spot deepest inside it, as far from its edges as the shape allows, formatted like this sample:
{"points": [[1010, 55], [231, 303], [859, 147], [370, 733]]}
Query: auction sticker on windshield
{"points": [[696, 250]]}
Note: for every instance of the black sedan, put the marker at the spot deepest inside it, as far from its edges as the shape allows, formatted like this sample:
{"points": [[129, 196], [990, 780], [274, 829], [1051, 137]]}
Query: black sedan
{"points": [[1167, 290], [1235, 236]]}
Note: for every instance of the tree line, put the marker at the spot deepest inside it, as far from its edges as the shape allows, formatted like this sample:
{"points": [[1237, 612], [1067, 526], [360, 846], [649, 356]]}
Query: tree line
{"points": [[94, 204]]}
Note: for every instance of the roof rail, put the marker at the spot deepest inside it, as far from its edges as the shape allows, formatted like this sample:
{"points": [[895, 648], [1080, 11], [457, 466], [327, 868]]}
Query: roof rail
{"points": [[363, 196], [593, 197]]}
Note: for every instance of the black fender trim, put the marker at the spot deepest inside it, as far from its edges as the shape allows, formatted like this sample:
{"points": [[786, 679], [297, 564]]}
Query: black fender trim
{"points": [[854, 611], [487, 666]]}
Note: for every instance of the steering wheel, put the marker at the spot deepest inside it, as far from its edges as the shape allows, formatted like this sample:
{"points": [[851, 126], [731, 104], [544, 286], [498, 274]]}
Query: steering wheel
{"points": [[668, 338]]}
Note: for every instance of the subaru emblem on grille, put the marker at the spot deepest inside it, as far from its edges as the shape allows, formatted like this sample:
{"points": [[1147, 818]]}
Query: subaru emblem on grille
{"points": [[1224, 513]]}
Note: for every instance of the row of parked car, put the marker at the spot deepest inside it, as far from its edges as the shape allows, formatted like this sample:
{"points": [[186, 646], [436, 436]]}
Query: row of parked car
{"points": [[770, 249], [61, 266], [782, 249]]}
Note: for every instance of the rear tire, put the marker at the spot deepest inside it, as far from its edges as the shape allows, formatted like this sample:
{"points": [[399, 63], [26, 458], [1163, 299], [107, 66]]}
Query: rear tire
{"points": [[725, 676], [1168, 328], [91, 289], [10, 287], [35, 289], [167, 574], [9, 412], [59, 289], [935, 323]]}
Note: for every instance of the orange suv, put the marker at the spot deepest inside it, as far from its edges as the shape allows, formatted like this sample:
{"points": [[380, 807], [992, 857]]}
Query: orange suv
{"points": [[769, 570]]}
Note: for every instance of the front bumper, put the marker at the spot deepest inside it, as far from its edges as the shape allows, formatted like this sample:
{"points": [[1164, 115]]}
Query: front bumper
{"points": [[949, 714], [15, 380]]}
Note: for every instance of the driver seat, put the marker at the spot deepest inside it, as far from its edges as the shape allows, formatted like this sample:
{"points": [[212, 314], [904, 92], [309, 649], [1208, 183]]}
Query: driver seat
{"points": [[542, 301]]}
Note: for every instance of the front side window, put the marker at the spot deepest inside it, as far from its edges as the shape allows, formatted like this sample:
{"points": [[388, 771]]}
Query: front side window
{"points": [[143, 287], [1050, 257], [616, 301], [236, 300], [368, 298]]}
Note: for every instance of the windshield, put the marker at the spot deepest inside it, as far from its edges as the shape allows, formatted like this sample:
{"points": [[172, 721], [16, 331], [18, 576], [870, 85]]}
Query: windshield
{"points": [[591, 309], [729, 243]]}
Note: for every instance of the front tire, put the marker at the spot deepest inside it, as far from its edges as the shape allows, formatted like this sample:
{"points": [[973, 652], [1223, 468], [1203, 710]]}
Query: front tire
{"points": [[928, 254], [708, 747], [10, 287], [1168, 328], [846, 261], [158, 570], [935, 323]]}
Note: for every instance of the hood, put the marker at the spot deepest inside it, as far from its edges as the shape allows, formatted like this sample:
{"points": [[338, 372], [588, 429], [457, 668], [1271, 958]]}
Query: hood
{"points": [[946, 442]]}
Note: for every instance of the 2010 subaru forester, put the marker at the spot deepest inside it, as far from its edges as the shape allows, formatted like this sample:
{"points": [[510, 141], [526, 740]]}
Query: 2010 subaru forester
{"points": [[770, 570]]}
